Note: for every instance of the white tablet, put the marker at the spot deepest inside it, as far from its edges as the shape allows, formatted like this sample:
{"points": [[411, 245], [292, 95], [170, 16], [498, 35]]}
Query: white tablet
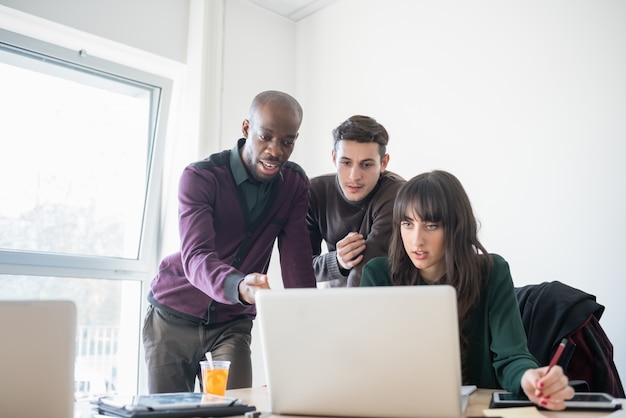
{"points": [[582, 401]]}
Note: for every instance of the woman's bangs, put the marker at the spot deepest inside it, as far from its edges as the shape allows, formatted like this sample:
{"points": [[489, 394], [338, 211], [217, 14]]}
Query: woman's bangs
{"points": [[426, 204], [427, 210], [421, 200]]}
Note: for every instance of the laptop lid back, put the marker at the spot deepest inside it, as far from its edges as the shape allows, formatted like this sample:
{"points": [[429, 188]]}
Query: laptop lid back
{"points": [[37, 358], [368, 352]]}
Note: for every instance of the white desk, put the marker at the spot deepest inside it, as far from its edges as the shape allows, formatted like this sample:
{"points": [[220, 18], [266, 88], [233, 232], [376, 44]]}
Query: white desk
{"points": [[478, 401]]}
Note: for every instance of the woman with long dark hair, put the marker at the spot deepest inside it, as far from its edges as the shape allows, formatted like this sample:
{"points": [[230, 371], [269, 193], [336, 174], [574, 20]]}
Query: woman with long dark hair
{"points": [[434, 241]]}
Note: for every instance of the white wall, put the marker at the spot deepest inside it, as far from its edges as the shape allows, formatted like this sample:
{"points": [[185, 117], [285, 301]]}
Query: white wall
{"points": [[523, 100], [259, 49], [156, 26]]}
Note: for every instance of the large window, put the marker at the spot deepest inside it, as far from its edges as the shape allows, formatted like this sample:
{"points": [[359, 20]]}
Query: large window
{"points": [[81, 144]]}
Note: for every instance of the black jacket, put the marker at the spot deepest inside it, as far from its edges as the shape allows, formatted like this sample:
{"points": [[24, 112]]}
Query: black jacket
{"points": [[552, 311]]}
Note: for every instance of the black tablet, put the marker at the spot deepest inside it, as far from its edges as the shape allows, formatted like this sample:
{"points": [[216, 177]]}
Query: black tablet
{"points": [[582, 401], [171, 405]]}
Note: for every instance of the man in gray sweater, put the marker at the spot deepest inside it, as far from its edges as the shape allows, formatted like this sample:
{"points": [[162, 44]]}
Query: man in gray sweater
{"points": [[351, 210]]}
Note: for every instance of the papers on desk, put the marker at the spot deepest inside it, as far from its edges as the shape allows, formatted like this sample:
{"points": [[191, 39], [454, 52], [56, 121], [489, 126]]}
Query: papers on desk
{"points": [[520, 412], [467, 390]]}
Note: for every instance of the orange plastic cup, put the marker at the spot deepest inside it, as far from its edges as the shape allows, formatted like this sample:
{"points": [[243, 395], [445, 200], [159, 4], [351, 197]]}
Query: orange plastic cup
{"points": [[214, 379]]}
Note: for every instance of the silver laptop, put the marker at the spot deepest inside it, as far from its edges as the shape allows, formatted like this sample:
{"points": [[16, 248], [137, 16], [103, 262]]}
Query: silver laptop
{"points": [[362, 352], [37, 359]]}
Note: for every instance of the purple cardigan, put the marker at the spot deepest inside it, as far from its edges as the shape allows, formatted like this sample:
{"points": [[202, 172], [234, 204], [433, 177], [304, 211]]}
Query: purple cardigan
{"points": [[200, 282]]}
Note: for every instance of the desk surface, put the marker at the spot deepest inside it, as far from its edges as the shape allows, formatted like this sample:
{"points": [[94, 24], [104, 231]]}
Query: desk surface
{"points": [[478, 401]]}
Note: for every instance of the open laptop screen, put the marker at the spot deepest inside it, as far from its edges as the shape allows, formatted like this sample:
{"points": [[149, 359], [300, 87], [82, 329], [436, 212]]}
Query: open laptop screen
{"points": [[368, 352]]}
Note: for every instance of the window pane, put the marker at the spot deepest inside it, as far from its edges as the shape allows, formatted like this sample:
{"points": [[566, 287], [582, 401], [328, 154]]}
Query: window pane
{"points": [[75, 147], [81, 151], [107, 334]]}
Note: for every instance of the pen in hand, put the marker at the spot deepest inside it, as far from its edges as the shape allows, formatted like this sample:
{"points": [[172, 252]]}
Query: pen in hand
{"points": [[555, 358], [557, 354]]}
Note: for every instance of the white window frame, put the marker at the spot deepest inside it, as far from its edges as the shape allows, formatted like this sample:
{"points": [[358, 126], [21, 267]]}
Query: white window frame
{"points": [[38, 263], [67, 43]]}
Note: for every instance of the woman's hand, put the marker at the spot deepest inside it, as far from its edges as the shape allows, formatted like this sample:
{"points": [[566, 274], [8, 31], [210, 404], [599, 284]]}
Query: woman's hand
{"points": [[547, 389]]}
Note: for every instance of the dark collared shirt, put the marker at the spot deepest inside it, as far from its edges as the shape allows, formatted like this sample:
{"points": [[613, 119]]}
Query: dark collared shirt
{"points": [[256, 194]]}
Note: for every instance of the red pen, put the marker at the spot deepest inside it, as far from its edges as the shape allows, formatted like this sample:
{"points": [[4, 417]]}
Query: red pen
{"points": [[557, 354]]}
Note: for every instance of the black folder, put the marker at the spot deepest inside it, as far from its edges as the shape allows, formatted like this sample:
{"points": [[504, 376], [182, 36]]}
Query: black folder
{"points": [[171, 405]]}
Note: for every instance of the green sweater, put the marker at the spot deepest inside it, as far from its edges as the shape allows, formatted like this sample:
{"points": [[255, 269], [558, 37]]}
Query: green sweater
{"points": [[498, 354]]}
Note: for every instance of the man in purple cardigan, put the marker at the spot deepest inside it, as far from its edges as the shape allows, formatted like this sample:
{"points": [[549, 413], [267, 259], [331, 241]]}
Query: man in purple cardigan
{"points": [[232, 207]]}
